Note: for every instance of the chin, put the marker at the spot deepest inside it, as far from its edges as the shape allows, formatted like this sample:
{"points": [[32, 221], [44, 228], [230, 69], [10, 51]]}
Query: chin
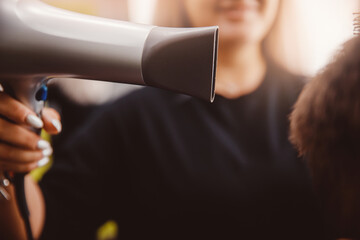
{"points": [[238, 33], [239, 38]]}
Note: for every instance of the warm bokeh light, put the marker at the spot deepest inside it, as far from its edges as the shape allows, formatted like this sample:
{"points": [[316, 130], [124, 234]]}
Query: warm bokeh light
{"points": [[141, 11], [321, 26]]}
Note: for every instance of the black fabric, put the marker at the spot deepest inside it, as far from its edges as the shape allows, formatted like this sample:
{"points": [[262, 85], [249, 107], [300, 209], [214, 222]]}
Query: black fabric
{"points": [[72, 114], [167, 166]]}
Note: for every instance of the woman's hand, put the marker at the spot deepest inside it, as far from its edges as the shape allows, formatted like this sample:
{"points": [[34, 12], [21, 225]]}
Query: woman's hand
{"points": [[21, 150]]}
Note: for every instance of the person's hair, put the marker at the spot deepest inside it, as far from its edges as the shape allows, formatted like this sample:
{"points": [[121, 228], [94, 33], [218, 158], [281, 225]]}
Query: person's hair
{"points": [[325, 128]]}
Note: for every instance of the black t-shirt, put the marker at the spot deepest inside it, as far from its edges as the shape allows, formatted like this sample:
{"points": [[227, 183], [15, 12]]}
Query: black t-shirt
{"points": [[168, 166]]}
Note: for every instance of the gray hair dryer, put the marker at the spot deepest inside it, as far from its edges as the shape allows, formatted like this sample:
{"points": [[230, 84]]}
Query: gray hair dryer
{"points": [[39, 42]]}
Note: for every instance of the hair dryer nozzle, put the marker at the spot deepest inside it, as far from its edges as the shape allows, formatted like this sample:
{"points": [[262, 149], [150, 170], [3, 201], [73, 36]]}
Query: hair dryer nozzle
{"points": [[182, 60]]}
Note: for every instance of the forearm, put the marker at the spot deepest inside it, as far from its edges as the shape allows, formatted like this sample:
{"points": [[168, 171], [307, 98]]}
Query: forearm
{"points": [[11, 223]]}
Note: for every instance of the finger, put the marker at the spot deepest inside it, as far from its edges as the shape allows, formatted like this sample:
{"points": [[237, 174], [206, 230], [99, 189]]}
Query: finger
{"points": [[10, 153], [18, 112], [51, 119], [20, 136], [22, 167]]}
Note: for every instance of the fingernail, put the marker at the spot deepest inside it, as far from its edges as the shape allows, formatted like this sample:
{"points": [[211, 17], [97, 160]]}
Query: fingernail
{"points": [[34, 121], [43, 162], [42, 144], [56, 123], [47, 152]]}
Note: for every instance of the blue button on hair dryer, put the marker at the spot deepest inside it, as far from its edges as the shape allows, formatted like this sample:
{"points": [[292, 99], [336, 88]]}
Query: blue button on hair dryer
{"points": [[39, 42]]}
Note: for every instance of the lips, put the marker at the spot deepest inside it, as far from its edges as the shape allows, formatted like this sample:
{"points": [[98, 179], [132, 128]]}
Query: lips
{"points": [[238, 9]]}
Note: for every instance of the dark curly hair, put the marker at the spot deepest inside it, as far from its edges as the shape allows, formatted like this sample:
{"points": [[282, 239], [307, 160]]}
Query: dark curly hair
{"points": [[325, 128]]}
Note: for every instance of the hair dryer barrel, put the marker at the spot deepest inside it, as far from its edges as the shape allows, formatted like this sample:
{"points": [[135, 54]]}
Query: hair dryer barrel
{"points": [[40, 41]]}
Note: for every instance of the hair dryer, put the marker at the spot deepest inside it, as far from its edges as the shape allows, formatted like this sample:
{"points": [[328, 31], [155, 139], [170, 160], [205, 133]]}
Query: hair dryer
{"points": [[39, 42]]}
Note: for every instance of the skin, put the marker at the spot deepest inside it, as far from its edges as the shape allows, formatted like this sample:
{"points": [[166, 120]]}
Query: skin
{"points": [[19, 153], [243, 27]]}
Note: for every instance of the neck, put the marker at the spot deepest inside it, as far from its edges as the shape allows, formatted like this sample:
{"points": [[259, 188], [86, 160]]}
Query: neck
{"points": [[241, 69]]}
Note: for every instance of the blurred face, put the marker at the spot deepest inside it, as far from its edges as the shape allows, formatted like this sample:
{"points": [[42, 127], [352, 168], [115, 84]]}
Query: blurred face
{"points": [[246, 21]]}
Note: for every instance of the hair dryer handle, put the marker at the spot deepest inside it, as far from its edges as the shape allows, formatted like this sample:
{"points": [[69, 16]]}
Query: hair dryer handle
{"points": [[32, 92]]}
